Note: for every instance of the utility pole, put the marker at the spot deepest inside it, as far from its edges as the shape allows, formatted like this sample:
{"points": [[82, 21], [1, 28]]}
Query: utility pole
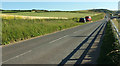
{"points": [[119, 6], [119, 9]]}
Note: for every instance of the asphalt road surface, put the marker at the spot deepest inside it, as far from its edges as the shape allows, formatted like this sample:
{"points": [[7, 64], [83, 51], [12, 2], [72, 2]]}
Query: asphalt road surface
{"points": [[57, 48]]}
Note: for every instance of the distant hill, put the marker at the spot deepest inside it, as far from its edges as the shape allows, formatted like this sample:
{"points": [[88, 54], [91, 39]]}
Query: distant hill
{"points": [[102, 10], [35, 10]]}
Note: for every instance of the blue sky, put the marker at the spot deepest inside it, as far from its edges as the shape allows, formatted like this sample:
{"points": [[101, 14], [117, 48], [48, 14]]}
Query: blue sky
{"points": [[60, 5], [60, 0]]}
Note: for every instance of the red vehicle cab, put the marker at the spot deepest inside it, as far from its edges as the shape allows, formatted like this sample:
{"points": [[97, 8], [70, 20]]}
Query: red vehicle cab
{"points": [[88, 18]]}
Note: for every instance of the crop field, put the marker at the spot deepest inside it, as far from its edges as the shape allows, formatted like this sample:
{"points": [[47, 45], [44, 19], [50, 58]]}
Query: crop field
{"points": [[6, 16], [14, 30], [54, 14]]}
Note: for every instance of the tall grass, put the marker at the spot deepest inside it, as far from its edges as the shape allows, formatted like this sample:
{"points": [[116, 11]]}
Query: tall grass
{"points": [[20, 29]]}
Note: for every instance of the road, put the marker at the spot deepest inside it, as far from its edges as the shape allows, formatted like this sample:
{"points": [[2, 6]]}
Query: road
{"points": [[57, 48]]}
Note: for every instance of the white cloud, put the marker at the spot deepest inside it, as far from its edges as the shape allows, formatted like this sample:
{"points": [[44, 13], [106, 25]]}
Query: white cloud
{"points": [[60, 0]]}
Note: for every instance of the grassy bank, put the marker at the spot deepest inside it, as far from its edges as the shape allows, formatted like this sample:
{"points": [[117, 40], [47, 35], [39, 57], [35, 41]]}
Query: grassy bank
{"points": [[109, 49], [20, 29], [98, 17]]}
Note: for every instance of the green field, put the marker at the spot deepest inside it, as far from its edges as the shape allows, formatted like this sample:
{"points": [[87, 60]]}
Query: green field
{"points": [[18, 29], [54, 14]]}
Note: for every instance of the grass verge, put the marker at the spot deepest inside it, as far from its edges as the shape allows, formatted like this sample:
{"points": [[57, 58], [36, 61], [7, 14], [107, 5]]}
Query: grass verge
{"points": [[21, 29], [109, 49]]}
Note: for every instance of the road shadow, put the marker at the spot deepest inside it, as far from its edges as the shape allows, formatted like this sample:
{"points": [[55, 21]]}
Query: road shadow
{"points": [[94, 54], [82, 36], [79, 60]]}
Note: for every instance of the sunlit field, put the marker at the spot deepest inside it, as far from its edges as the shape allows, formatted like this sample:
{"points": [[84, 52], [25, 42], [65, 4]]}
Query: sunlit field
{"points": [[55, 14]]}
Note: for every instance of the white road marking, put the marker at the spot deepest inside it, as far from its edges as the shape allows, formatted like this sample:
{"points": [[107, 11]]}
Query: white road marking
{"points": [[58, 39], [79, 31], [17, 56], [76, 32]]}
